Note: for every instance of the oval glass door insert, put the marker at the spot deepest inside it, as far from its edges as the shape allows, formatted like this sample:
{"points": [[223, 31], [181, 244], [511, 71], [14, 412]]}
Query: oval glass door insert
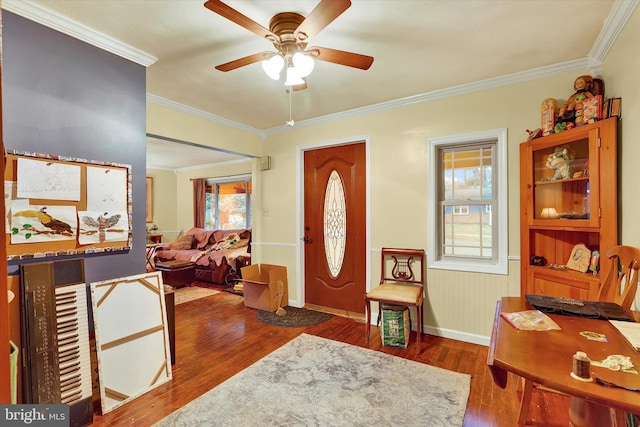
{"points": [[335, 223]]}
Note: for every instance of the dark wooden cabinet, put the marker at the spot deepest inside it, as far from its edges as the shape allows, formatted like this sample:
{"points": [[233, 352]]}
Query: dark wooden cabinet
{"points": [[559, 210]]}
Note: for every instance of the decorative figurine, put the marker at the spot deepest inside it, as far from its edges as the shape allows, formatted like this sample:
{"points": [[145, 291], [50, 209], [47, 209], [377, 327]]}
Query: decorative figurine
{"points": [[533, 134], [560, 160], [549, 109], [560, 127], [580, 258], [594, 264], [583, 86]]}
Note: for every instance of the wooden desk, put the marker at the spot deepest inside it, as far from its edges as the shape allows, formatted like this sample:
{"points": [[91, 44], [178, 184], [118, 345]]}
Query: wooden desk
{"points": [[547, 358]]}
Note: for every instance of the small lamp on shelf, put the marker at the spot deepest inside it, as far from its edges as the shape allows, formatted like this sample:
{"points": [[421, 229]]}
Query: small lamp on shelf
{"points": [[549, 213]]}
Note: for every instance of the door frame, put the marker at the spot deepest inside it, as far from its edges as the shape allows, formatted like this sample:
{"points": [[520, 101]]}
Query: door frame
{"points": [[300, 277]]}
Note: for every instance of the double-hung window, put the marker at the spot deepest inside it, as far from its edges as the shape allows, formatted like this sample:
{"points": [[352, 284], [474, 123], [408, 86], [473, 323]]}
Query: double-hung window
{"points": [[467, 210], [228, 203]]}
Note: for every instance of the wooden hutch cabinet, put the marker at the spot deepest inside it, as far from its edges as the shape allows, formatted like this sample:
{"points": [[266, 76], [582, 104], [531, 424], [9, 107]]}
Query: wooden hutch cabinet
{"points": [[558, 211]]}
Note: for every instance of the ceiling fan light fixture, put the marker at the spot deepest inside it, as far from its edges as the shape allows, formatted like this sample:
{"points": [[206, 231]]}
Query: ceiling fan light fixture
{"points": [[293, 78], [272, 66], [304, 63]]}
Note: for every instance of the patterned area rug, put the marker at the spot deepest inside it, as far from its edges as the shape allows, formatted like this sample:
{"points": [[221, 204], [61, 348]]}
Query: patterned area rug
{"points": [[293, 317], [312, 381], [190, 293]]}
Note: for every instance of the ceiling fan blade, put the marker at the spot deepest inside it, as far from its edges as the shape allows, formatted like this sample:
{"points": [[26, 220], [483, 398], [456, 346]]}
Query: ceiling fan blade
{"points": [[233, 15], [232, 65], [321, 16], [341, 57]]}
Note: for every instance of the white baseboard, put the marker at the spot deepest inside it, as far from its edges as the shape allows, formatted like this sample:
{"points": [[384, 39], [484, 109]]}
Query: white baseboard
{"points": [[446, 333]]}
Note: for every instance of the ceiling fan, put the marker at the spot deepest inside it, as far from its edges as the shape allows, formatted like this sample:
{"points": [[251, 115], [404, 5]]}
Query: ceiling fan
{"points": [[290, 32]]}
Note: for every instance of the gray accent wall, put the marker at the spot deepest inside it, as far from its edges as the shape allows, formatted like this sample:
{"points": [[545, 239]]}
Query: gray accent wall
{"points": [[65, 97]]}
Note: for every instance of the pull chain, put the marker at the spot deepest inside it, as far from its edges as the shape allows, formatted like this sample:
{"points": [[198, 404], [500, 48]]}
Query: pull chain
{"points": [[290, 122]]}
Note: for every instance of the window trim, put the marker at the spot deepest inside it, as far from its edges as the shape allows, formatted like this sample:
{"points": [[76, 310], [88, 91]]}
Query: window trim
{"points": [[210, 182], [500, 176]]}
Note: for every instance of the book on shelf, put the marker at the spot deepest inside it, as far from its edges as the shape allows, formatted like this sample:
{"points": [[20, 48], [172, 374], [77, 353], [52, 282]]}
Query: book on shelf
{"points": [[630, 331]]}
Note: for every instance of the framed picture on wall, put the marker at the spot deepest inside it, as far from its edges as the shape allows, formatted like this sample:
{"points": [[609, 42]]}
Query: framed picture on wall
{"points": [[149, 199]]}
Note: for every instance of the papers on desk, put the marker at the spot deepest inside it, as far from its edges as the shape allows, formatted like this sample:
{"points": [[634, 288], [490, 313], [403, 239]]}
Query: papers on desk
{"points": [[630, 332], [530, 320]]}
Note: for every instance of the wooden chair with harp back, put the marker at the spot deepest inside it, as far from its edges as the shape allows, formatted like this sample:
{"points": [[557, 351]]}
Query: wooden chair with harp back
{"points": [[621, 283], [401, 283], [619, 286]]}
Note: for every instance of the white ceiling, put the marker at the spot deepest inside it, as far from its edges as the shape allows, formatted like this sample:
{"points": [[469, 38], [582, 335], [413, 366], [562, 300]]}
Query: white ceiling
{"points": [[422, 48]]}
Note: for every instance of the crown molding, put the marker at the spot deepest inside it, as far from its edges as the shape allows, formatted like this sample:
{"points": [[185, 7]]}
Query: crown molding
{"points": [[55, 21], [508, 79], [161, 168], [202, 114], [615, 22]]}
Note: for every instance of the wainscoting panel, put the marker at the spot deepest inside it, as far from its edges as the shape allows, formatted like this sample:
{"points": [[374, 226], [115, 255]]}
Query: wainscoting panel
{"points": [[461, 303], [458, 305]]}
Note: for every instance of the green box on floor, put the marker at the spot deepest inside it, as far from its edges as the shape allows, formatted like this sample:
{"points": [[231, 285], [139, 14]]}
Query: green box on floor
{"points": [[395, 326]]}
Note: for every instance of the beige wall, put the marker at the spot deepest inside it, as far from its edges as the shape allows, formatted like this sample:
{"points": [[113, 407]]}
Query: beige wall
{"points": [[621, 71], [459, 305], [164, 203], [179, 125]]}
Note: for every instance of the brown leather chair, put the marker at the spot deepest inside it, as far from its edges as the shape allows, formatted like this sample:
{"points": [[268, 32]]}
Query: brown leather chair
{"points": [[619, 286], [401, 283]]}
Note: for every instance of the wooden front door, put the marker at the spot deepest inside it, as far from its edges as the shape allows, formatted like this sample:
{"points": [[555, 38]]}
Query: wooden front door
{"points": [[335, 227]]}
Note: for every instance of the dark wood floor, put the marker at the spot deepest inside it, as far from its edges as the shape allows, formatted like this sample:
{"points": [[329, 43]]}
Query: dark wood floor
{"points": [[218, 336]]}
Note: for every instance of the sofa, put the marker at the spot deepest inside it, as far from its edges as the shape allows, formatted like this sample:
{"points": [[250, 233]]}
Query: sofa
{"points": [[218, 255]]}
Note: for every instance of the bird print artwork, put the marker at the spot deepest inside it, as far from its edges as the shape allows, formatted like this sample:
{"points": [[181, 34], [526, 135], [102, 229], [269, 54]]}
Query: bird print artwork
{"points": [[55, 225], [99, 227], [42, 223]]}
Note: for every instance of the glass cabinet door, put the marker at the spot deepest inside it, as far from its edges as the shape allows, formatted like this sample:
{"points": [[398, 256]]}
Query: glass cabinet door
{"points": [[563, 189]]}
